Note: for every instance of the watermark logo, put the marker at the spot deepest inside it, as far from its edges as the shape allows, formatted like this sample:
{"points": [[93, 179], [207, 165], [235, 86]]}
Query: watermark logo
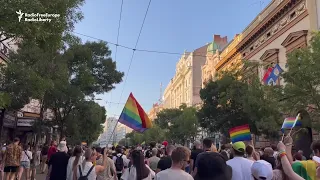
{"points": [[20, 15], [36, 17]]}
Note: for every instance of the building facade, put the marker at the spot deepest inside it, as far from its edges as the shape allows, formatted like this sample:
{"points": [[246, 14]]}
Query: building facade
{"points": [[185, 86], [283, 26], [108, 136], [120, 133], [212, 58], [156, 108]]}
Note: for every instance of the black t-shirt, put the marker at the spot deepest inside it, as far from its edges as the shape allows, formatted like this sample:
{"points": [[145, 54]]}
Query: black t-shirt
{"points": [[164, 163], [194, 154], [59, 163]]}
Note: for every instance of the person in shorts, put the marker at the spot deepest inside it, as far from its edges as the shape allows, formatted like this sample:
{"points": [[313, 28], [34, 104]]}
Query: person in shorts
{"points": [[12, 158]]}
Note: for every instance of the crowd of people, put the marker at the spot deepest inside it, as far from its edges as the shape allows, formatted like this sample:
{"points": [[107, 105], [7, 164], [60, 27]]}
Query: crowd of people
{"points": [[236, 161]]}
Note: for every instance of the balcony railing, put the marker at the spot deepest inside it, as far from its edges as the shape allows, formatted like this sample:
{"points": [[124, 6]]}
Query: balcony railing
{"points": [[4, 51]]}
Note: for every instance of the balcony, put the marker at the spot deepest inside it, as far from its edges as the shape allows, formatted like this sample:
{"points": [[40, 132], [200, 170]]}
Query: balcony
{"points": [[4, 52]]}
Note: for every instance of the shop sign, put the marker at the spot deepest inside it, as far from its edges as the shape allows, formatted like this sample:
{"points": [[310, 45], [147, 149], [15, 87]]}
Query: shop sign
{"points": [[25, 122], [9, 121]]}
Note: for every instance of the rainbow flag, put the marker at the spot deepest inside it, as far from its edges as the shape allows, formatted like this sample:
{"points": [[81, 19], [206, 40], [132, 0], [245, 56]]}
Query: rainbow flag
{"points": [[240, 133], [291, 122], [305, 169], [134, 116]]}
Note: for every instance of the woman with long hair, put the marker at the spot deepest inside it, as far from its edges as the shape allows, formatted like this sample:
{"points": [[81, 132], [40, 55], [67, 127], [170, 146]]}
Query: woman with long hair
{"points": [[87, 168], [26, 157], [139, 170], [36, 155], [74, 162]]}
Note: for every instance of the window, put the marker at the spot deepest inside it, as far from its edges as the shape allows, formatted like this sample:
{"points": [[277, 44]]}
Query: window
{"points": [[251, 48], [292, 15], [295, 40], [268, 34]]}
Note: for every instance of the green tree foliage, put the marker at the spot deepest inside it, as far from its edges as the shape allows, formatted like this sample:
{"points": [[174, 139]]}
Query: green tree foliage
{"points": [[302, 78], [184, 127], [231, 101], [44, 32], [179, 124], [60, 80], [90, 70], [5, 100], [166, 117], [85, 122], [153, 134]]}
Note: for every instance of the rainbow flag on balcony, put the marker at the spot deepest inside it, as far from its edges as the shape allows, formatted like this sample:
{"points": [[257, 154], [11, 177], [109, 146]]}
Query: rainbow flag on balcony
{"points": [[134, 116]]}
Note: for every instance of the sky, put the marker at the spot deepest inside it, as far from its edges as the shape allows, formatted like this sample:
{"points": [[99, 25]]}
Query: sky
{"points": [[170, 26]]}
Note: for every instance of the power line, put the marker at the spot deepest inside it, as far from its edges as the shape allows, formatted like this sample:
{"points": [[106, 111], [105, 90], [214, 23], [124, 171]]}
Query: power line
{"points": [[121, 103], [133, 51], [118, 34]]}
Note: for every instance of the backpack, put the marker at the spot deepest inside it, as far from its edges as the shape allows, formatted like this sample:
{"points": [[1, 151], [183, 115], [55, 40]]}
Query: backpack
{"points": [[119, 163], [82, 177]]}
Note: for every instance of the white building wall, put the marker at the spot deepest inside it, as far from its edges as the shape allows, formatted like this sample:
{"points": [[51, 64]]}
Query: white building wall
{"points": [[304, 24]]}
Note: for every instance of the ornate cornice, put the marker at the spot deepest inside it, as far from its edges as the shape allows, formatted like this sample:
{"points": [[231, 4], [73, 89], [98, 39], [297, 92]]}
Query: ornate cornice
{"points": [[290, 13]]}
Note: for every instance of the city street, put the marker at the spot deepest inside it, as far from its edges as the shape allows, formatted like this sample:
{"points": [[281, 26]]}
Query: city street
{"points": [[38, 176]]}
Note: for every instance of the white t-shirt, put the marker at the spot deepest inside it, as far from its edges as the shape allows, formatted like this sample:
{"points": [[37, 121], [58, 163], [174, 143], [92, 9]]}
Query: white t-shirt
{"points": [[131, 174], [241, 168], [24, 156], [173, 174], [85, 170]]}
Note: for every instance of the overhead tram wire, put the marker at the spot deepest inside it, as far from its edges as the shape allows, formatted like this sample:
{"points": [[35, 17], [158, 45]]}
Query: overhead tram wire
{"points": [[118, 34], [135, 49], [132, 56]]}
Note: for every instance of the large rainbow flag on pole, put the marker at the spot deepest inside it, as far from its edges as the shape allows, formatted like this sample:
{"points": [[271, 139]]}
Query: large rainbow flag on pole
{"points": [[134, 116], [240, 133]]}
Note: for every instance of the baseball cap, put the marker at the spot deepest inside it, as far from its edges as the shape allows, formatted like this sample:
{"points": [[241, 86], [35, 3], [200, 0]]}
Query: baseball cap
{"points": [[261, 169], [212, 166], [239, 146]]}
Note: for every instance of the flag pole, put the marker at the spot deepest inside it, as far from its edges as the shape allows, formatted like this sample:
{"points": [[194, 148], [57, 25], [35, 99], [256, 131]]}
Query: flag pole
{"points": [[294, 124]]}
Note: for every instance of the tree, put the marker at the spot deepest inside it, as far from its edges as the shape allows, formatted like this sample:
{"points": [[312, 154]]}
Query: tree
{"points": [[231, 101], [85, 122], [302, 78], [166, 117], [90, 70], [48, 32], [153, 134], [179, 124], [60, 80], [185, 127]]}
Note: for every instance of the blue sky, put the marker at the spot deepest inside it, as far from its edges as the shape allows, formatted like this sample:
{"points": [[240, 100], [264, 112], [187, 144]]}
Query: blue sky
{"points": [[171, 25]]}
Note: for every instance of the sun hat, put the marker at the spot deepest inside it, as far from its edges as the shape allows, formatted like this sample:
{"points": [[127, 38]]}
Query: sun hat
{"points": [[239, 146], [261, 169], [62, 146]]}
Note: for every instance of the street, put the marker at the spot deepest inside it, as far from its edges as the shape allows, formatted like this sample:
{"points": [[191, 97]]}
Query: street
{"points": [[38, 176]]}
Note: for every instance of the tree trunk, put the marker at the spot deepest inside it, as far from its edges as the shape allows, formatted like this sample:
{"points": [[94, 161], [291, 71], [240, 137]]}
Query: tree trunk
{"points": [[40, 122]]}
